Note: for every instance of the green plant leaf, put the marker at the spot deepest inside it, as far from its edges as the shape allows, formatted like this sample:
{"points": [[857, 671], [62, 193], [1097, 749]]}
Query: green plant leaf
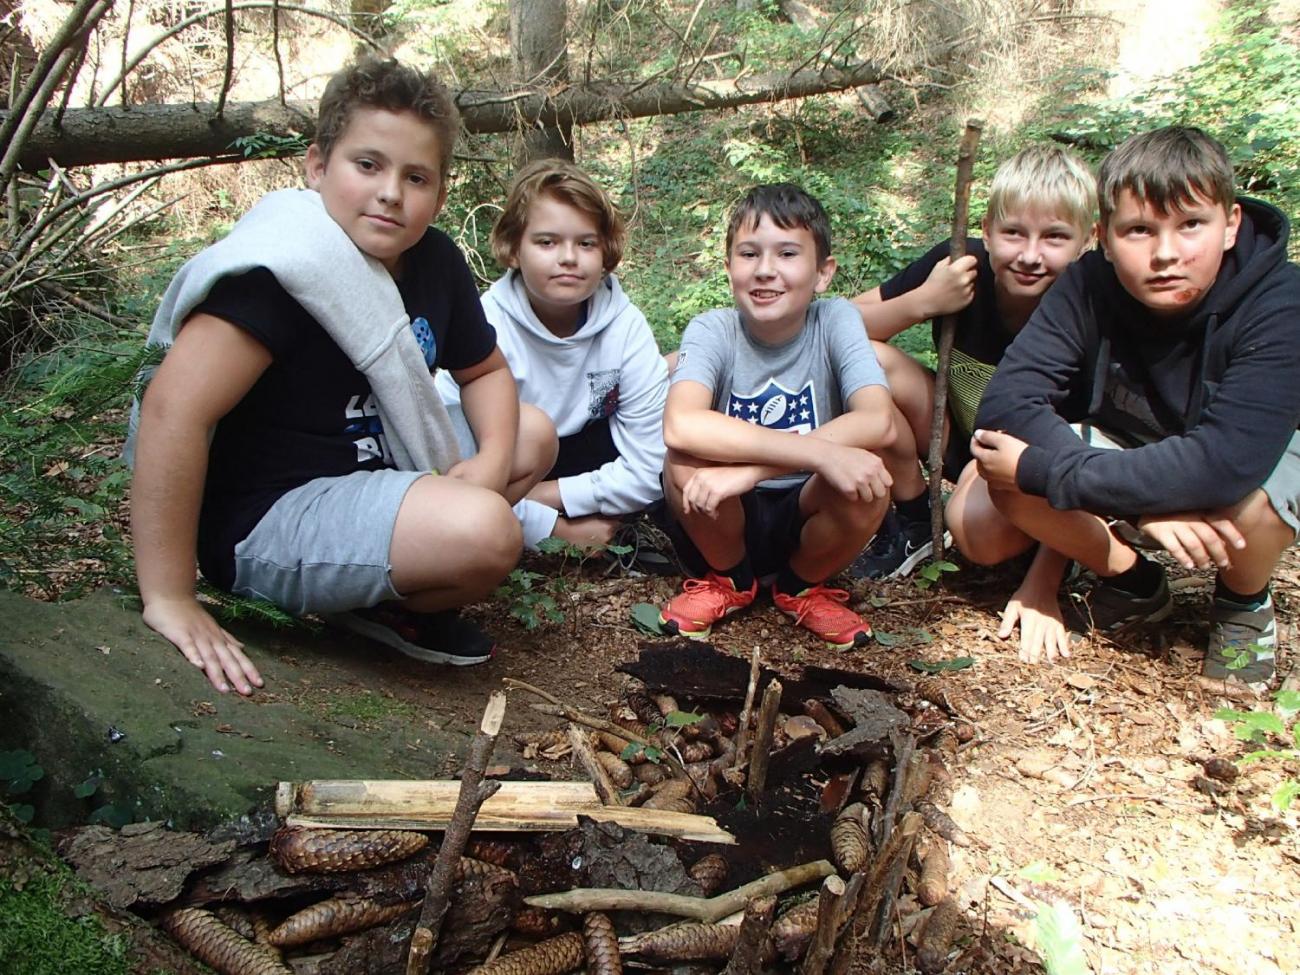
{"points": [[1060, 940], [1288, 704], [633, 749], [115, 814], [645, 618], [87, 788], [680, 719], [938, 666], [23, 813], [1285, 794], [1039, 872]]}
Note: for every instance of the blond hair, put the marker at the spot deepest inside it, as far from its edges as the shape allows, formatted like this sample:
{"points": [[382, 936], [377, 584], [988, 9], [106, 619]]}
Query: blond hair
{"points": [[1049, 179], [569, 184], [1167, 168]]}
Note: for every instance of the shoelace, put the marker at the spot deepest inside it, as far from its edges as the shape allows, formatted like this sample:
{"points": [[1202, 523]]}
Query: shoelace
{"points": [[809, 600]]}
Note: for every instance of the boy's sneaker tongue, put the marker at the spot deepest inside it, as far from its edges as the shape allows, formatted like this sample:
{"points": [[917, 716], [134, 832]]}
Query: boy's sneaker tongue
{"points": [[444, 637]]}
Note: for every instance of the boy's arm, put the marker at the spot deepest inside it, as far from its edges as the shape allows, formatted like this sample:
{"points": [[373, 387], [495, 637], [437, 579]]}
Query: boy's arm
{"points": [[947, 289], [491, 404], [187, 396]]}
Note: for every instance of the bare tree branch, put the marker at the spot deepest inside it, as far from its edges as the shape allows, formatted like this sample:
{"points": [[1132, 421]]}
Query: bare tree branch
{"points": [[229, 72]]}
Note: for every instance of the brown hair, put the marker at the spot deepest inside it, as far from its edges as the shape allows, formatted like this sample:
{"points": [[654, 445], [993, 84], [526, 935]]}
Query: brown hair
{"points": [[371, 82], [569, 184], [788, 206], [1167, 168]]}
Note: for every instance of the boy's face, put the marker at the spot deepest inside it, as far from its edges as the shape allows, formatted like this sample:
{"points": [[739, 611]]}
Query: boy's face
{"points": [[560, 258], [1167, 261], [775, 275], [381, 182], [1029, 249]]}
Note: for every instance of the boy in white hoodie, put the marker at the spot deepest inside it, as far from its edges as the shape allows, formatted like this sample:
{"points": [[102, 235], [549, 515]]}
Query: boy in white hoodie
{"points": [[580, 351]]}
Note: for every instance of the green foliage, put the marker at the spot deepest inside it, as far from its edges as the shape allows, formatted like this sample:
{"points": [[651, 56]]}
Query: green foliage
{"points": [[265, 145], [645, 617], [908, 636], [19, 771], [1245, 91], [529, 598], [41, 935], [939, 666], [1279, 742], [932, 572], [1060, 940]]}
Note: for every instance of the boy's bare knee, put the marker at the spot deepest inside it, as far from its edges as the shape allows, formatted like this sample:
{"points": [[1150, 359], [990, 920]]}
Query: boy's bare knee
{"points": [[538, 441]]}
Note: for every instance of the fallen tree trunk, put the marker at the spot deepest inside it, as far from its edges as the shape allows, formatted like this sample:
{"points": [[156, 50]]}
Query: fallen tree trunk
{"points": [[114, 134]]}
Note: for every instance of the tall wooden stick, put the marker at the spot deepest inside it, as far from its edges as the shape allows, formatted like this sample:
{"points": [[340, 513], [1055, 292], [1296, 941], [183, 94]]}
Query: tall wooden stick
{"points": [[753, 945], [746, 712], [764, 731], [947, 329], [473, 793]]}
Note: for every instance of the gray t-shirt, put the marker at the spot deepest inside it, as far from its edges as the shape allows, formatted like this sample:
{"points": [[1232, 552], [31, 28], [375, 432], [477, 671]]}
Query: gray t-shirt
{"points": [[796, 386]]}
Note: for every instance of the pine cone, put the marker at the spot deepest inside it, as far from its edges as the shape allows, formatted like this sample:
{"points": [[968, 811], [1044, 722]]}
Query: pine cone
{"points": [[302, 850]]}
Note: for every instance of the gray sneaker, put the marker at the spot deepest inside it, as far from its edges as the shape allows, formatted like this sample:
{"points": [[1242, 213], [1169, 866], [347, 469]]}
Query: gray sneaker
{"points": [[1242, 643]]}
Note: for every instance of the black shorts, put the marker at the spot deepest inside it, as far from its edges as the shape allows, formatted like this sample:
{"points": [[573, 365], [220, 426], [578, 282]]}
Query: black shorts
{"points": [[773, 524], [584, 451]]}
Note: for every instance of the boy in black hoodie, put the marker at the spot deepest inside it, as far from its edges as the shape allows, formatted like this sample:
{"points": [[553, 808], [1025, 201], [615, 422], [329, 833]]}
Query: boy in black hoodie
{"points": [[1177, 339]]}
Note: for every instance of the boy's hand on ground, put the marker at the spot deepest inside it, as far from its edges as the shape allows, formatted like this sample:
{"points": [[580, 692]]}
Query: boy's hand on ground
{"points": [[1197, 541], [203, 642], [997, 456], [710, 486], [589, 531], [950, 286], [483, 471], [855, 473], [1042, 628]]}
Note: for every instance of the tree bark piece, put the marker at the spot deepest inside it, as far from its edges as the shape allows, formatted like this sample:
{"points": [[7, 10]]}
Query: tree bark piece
{"points": [[553, 957], [830, 917], [473, 792], [601, 943], [91, 136], [701, 909], [753, 948], [947, 330], [764, 731]]}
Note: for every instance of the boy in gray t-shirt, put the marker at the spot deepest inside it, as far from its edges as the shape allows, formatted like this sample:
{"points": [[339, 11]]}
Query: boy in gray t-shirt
{"points": [[750, 499]]}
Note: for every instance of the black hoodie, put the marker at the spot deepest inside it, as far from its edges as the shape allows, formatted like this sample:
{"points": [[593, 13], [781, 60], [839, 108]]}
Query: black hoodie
{"points": [[1213, 397]]}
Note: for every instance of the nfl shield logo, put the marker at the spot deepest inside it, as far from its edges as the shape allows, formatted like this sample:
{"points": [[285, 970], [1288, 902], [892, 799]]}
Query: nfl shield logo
{"points": [[777, 408]]}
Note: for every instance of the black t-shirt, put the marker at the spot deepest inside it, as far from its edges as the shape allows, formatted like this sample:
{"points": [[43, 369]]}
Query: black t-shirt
{"points": [[311, 413], [978, 344]]}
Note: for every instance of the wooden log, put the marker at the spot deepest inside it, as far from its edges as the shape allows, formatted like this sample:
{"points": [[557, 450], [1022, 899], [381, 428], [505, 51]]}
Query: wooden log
{"points": [[763, 733], [710, 909], [516, 807], [473, 793], [947, 331]]}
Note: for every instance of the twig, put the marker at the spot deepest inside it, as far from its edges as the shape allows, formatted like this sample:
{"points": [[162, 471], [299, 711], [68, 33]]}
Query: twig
{"points": [[417, 959], [473, 793], [711, 909], [830, 915], [82, 48], [275, 46], [1133, 797], [763, 733], [582, 751], [746, 712], [947, 330], [229, 72], [750, 955]]}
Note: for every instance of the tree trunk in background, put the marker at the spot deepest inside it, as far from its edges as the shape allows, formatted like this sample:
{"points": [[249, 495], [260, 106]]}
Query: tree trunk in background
{"points": [[538, 47]]}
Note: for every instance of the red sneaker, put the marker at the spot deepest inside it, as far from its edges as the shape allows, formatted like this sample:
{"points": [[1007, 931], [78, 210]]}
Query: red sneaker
{"points": [[822, 611], [703, 602]]}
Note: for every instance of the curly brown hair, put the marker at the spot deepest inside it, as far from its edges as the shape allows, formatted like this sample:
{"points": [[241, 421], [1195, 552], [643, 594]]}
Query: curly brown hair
{"points": [[387, 84]]}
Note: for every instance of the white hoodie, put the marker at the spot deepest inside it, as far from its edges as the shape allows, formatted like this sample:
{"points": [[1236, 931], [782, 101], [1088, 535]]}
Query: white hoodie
{"points": [[610, 366]]}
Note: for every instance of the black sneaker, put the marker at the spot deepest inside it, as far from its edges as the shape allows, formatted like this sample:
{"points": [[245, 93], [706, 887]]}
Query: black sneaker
{"points": [[444, 637], [1242, 643], [1108, 609], [899, 546], [648, 550]]}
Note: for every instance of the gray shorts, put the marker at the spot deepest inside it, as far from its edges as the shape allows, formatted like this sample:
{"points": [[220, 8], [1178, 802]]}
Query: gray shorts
{"points": [[1282, 487], [323, 547]]}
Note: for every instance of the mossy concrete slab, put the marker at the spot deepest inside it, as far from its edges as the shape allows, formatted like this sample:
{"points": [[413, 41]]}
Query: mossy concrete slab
{"points": [[88, 688]]}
